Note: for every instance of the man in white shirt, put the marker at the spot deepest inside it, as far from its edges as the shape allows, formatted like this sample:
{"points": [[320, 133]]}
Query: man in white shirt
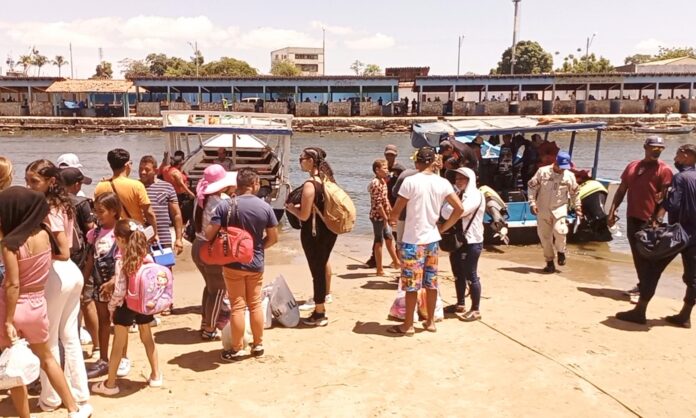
{"points": [[422, 195]]}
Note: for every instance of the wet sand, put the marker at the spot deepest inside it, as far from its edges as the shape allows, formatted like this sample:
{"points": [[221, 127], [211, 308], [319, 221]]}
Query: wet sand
{"points": [[547, 346]]}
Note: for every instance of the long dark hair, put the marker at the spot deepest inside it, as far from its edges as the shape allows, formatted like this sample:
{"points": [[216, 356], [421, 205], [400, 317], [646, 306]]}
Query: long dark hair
{"points": [[318, 157], [56, 195]]}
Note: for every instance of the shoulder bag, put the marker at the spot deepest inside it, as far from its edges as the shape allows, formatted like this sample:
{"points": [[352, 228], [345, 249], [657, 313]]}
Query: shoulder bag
{"points": [[125, 209], [231, 244], [455, 238]]}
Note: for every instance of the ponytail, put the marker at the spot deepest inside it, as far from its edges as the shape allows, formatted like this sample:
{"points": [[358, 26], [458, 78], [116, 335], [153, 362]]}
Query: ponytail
{"points": [[318, 156], [136, 245]]}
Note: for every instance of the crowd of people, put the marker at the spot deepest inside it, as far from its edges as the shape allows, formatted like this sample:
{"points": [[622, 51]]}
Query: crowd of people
{"points": [[64, 254]]}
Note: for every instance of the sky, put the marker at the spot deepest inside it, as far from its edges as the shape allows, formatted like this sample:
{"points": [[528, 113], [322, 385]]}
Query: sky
{"points": [[388, 33]]}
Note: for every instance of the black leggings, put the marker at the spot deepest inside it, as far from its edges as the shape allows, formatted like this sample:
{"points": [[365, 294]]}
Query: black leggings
{"points": [[317, 249]]}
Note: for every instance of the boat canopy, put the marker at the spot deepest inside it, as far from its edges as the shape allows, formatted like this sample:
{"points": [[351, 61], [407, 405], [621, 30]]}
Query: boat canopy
{"points": [[429, 134], [225, 123]]}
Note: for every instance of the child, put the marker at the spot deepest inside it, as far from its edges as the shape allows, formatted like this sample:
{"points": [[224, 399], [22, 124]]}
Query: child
{"points": [[27, 248], [379, 213], [99, 273], [133, 247]]}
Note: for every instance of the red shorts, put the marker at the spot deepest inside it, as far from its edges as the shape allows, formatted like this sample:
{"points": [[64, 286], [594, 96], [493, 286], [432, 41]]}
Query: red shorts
{"points": [[30, 319]]}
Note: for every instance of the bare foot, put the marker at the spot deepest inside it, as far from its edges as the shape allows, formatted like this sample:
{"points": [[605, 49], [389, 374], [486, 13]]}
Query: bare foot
{"points": [[395, 266], [380, 273], [429, 326]]}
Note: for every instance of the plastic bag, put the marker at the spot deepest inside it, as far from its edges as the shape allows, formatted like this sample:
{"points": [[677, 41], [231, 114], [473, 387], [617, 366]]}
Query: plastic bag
{"points": [[397, 311], [226, 335], [283, 305], [422, 306], [18, 366]]}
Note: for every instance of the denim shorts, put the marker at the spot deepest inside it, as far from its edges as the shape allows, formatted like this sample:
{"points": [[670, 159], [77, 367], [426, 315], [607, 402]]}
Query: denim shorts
{"points": [[380, 232]]}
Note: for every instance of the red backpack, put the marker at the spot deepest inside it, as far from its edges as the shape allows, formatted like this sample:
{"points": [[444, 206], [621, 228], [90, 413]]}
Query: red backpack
{"points": [[230, 245]]}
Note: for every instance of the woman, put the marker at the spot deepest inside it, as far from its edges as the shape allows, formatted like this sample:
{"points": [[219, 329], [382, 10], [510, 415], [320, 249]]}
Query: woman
{"points": [[27, 247], [317, 240], [64, 285], [215, 183], [464, 262]]}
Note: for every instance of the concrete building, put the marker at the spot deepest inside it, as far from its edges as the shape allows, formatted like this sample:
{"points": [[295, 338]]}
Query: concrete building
{"points": [[309, 60], [674, 65]]}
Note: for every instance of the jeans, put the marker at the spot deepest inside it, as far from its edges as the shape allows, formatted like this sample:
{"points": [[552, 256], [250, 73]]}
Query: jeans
{"points": [[649, 271], [689, 277], [464, 264], [63, 289], [244, 290], [317, 249], [214, 290]]}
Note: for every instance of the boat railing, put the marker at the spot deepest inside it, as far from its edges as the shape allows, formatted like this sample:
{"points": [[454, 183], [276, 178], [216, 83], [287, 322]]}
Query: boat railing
{"points": [[203, 118]]}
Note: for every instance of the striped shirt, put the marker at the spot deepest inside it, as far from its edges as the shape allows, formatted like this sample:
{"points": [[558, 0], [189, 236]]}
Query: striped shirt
{"points": [[161, 194]]}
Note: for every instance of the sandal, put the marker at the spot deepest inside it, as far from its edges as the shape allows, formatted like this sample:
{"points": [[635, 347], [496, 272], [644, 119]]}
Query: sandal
{"points": [[209, 335], [431, 328], [102, 389], [396, 329], [471, 316]]}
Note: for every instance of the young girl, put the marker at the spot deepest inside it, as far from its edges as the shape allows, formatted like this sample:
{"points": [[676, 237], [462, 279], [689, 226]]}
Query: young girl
{"points": [[27, 246], [100, 273], [64, 285], [132, 244], [5, 173]]}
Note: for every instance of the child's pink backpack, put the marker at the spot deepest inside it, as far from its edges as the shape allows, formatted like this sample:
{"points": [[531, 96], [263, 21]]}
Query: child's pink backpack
{"points": [[151, 289]]}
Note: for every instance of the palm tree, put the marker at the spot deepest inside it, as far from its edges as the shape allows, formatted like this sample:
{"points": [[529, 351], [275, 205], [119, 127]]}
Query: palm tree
{"points": [[25, 61], [40, 61], [59, 61]]}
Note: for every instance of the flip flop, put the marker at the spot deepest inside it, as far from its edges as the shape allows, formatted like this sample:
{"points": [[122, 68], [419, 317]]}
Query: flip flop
{"points": [[429, 329], [396, 329]]}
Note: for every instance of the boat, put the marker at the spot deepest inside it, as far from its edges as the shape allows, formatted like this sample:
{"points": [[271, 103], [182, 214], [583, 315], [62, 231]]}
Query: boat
{"points": [[665, 129], [514, 223], [252, 140]]}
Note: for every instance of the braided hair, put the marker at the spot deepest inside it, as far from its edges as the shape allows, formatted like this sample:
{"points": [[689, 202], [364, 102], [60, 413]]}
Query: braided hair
{"points": [[318, 157], [56, 195]]}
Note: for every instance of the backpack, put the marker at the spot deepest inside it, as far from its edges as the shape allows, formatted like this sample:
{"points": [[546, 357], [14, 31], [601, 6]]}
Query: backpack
{"points": [[339, 210], [151, 289], [79, 249]]}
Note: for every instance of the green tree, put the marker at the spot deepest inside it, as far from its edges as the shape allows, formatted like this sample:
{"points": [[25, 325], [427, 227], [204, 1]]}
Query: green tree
{"points": [[134, 68], [179, 67], [229, 67], [285, 68], [585, 64], [638, 59], [530, 58], [39, 61], [372, 70], [665, 53], [357, 67], [26, 62], [158, 63], [103, 71], [59, 61]]}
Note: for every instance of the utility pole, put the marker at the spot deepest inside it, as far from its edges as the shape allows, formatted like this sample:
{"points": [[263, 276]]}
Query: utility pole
{"points": [[323, 51], [72, 72], [460, 40], [194, 46], [515, 29], [587, 50]]}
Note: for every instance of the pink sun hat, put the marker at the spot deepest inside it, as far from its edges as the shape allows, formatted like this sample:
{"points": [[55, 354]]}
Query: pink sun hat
{"points": [[215, 178]]}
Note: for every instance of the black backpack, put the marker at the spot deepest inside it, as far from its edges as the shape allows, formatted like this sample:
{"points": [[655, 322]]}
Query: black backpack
{"points": [[79, 249]]}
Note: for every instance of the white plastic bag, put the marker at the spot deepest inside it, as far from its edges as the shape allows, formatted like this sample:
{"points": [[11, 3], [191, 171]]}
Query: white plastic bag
{"points": [[18, 366], [283, 304], [422, 306], [398, 308], [266, 306], [226, 335]]}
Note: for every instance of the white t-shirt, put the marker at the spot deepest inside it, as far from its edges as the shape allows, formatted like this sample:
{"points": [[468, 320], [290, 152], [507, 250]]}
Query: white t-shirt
{"points": [[426, 193]]}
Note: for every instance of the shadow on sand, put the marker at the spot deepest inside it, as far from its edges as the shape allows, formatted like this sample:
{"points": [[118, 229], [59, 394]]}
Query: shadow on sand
{"points": [[375, 328], [380, 285], [352, 276], [178, 336], [199, 361], [614, 294], [524, 270]]}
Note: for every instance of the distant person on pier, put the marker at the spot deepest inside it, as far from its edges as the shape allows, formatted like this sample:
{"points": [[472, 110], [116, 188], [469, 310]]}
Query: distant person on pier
{"points": [[223, 160], [414, 107]]}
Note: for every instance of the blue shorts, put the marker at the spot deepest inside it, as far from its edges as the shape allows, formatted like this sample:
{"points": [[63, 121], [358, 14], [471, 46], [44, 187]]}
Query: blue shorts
{"points": [[380, 232]]}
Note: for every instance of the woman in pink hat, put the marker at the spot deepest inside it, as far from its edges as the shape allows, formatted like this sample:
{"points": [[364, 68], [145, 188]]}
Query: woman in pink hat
{"points": [[216, 184]]}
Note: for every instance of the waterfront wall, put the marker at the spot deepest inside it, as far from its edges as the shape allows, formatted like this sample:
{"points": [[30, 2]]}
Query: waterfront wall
{"points": [[275, 107], [243, 107], [304, 109], [370, 109], [152, 109], [11, 109], [341, 109], [179, 106], [431, 108], [40, 109]]}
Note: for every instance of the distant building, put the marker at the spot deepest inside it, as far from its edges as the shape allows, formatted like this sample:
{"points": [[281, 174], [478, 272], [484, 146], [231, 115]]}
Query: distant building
{"points": [[674, 65], [309, 60]]}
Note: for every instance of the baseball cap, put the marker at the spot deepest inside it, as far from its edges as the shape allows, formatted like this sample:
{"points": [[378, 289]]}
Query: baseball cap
{"points": [[68, 160], [425, 155], [689, 148], [391, 149], [654, 141], [563, 160], [72, 175]]}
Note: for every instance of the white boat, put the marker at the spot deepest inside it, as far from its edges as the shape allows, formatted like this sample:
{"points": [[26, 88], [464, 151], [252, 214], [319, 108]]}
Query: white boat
{"points": [[669, 129], [253, 140]]}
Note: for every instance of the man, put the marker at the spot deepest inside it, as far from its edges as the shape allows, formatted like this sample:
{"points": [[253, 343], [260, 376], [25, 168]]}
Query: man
{"points": [[645, 181], [131, 193], [223, 160], [457, 154], [244, 281], [177, 178], [164, 204], [72, 160], [551, 189], [504, 179], [680, 204], [422, 195]]}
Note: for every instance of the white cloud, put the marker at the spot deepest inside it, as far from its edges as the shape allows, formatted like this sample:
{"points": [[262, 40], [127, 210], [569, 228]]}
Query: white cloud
{"points": [[648, 46], [273, 38], [336, 30], [376, 41]]}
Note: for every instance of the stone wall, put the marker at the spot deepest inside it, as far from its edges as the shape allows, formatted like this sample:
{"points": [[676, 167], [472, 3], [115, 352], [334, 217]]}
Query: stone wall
{"points": [[40, 109], [629, 107], [275, 107], [663, 105], [243, 107], [10, 109], [493, 109], [594, 107], [179, 106], [463, 108], [211, 106], [307, 109], [431, 108], [148, 109], [692, 106], [339, 109], [530, 107], [370, 109], [564, 107]]}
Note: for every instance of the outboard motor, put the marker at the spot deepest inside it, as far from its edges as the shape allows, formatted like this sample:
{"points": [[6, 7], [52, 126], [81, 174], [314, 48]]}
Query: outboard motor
{"points": [[593, 226], [497, 210]]}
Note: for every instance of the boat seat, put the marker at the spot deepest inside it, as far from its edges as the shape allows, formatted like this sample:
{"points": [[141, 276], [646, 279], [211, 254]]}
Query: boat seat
{"points": [[516, 196]]}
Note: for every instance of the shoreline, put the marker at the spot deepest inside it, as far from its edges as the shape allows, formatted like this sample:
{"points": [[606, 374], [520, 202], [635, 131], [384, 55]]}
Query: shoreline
{"points": [[355, 124]]}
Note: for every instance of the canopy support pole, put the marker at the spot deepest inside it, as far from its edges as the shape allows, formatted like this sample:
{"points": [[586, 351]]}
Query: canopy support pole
{"points": [[596, 153], [657, 89], [572, 143]]}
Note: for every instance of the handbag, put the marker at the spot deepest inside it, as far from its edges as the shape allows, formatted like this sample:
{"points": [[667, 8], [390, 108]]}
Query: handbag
{"points": [[662, 242], [230, 245], [295, 197], [162, 256], [455, 238]]}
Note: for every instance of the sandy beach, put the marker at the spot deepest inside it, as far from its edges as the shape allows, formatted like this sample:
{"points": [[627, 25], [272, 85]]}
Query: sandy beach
{"points": [[547, 346]]}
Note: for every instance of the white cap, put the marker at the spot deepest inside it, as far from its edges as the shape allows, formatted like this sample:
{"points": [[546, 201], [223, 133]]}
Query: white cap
{"points": [[69, 160]]}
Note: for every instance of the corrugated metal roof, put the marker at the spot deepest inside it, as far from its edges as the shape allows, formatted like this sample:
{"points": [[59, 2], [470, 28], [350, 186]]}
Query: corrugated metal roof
{"points": [[90, 86]]}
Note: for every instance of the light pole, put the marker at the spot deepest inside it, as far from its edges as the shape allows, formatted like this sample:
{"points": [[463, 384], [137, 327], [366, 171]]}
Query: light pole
{"points": [[460, 40], [194, 46], [323, 51], [515, 29], [587, 47]]}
